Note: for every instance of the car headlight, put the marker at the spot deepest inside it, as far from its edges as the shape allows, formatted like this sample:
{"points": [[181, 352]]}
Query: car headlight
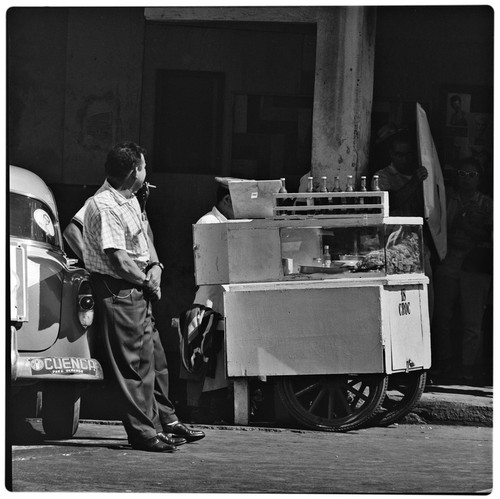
{"points": [[85, 304]]}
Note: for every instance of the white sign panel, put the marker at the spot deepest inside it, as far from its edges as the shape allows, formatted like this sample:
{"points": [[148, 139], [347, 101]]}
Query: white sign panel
{"points": [[434, 191]]}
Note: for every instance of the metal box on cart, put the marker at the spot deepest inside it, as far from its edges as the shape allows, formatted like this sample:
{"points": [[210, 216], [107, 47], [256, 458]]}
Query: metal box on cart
{"points": [[332, 337]]}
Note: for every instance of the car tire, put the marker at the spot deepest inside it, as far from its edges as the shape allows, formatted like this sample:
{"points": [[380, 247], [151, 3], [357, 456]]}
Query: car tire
{"points": [[60, 410]]}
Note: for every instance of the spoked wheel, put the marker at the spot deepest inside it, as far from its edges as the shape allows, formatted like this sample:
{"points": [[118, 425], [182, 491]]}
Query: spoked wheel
{"points": [[403, 392], [338, 402]]}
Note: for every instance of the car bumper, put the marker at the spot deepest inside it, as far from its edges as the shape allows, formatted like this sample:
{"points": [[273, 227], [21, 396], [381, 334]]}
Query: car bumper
{"points": [[56, 368], [32, 369]]}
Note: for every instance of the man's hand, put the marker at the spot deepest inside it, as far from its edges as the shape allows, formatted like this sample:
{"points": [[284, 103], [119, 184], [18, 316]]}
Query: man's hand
{"points": [[421, 173], [153, 297], [154, 275], [142, 195]]}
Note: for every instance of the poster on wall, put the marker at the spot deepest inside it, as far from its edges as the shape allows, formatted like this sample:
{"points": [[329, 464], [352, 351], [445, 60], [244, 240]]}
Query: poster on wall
{"points": [[458, 107], [433, 186]]}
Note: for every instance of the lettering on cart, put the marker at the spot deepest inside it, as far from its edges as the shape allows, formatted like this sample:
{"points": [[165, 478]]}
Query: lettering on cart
{"points": [[404, 306], [63, 365]]}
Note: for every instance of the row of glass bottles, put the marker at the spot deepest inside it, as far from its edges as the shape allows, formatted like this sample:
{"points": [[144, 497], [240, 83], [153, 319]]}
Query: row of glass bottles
{"points": [[350, 187], [336, 184]]}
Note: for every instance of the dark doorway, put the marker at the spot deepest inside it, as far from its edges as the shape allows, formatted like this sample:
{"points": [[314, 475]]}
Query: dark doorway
{"points": [[188, 121]]}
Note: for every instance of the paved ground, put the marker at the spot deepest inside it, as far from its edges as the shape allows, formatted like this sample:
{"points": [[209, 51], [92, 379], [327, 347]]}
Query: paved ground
{"points": [[423, 459], [446, 448]]}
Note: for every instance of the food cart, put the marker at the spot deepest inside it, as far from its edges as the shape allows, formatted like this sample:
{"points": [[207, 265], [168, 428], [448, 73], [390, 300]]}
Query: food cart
{"points": [[325, 296]]}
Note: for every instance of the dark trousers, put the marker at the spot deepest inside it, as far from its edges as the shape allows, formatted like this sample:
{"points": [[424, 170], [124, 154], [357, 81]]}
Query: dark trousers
{"points": [[124, 318], [165, 408]]}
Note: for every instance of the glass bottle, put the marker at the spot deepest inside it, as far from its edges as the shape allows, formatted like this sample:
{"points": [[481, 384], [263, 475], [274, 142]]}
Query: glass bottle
{"points": [[323, 188], [350, 184], [349, 188], [336, 188], [375, 187], [327, 259], [362, 188], [310, 188], [282, 190]]}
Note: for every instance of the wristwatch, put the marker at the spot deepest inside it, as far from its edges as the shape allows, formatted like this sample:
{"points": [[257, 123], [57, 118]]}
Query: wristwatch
{"points": [[152, 264]]}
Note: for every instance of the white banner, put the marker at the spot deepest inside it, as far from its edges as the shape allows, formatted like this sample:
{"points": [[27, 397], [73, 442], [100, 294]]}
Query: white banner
{"points": [[434, 190]]}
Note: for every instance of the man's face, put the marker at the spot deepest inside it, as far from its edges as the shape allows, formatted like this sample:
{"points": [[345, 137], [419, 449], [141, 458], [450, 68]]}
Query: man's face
{"points": [[227, 207], [140, 175], [403, 157], [468, 178]]}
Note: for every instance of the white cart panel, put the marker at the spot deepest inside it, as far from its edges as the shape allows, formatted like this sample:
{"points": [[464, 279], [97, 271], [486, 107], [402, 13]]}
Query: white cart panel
{"points": [[291, 331], [406, 311]]}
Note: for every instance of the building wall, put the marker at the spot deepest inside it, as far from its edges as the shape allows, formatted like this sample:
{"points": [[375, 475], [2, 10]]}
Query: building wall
{"points": [[81, 78], [75, 75], [74, 88], [103, 86], [423, 52], [36, 69], [262, 62]]}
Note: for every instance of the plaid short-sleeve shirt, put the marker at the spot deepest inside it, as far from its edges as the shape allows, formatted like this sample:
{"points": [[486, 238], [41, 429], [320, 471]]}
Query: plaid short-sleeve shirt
{"points": [[113, 221]]}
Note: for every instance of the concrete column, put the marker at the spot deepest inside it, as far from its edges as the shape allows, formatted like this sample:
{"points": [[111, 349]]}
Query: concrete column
{"points": [[343, 92]]}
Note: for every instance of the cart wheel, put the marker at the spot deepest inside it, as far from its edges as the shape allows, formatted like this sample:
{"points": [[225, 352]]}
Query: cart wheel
{"points": [[339, 402], [403, 392]]}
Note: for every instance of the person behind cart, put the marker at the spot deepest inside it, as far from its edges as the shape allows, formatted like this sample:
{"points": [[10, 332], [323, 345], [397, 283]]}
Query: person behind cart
{"points": [[463, 278], [403, 179], [204, 370], [126, 278], [209, 392]]}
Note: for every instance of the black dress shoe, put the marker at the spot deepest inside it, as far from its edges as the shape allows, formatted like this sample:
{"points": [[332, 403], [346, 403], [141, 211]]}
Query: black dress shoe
{"points": [[171, 439], [153, 444], [182, 430]]}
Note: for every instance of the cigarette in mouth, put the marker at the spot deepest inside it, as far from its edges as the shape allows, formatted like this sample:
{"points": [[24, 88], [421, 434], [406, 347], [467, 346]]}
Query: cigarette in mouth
{"points": [[151, 186]]}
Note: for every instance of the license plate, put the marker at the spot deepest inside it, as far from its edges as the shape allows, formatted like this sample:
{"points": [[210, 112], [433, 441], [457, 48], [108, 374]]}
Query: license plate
{"points": [[63, 365]]}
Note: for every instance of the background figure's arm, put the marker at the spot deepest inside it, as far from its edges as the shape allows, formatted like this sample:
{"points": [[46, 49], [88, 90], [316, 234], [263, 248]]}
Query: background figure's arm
{"points": [[399, 197], [74, 237]]}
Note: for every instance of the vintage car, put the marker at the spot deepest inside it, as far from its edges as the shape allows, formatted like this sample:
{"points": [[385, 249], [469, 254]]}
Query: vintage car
{"points": [[51, 309]]}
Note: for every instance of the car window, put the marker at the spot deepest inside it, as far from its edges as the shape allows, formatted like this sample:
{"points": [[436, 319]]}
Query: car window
{"points": [[32, 219]]}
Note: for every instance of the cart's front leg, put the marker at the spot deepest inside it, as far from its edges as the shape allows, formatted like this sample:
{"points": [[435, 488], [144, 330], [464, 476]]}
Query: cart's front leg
{"points": [[241, 401]]}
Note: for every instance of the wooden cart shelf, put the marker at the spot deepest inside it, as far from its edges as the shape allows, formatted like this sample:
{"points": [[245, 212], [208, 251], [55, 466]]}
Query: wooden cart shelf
{"points": [[331, 204]]}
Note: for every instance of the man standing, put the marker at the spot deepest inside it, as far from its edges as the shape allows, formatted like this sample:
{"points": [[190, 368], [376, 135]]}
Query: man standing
{"points": [[403, 179], [464, 277], [117, 252]]}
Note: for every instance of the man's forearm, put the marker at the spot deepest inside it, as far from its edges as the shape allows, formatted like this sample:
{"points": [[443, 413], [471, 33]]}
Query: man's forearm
{"points": [[126, 268], [152, 250], [73, 237], [130, 272]]}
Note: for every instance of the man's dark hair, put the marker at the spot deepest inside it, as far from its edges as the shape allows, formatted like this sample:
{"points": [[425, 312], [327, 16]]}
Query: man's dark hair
{"points": [[404, 136], [222, 191], [122, 159]]}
